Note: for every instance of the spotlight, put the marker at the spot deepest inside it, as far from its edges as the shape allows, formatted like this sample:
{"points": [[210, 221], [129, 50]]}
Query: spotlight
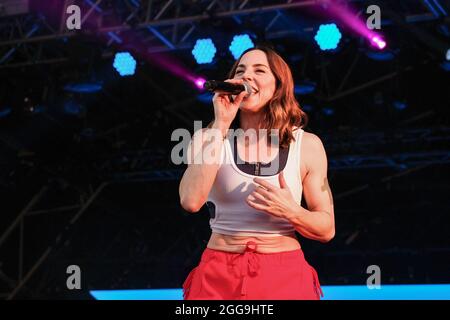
{"points": [[328, 36], [239, 44], [199, 82], [124, 63], [378, 42], [447, 55], [204, 51]]}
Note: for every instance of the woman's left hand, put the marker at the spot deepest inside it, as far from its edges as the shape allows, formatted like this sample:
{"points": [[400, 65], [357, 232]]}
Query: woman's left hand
{"points": [[268, 198]]}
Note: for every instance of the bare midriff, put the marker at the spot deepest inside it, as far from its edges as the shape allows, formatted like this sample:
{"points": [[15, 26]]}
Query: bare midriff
{"points": [[231, 243]]}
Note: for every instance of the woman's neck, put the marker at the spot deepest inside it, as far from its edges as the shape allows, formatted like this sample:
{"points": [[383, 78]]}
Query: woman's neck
{"points": [[254, 121], [250, 120]]}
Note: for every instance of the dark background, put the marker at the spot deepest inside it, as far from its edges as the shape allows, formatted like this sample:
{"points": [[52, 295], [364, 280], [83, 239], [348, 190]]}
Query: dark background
{"points": [[95, 187]]}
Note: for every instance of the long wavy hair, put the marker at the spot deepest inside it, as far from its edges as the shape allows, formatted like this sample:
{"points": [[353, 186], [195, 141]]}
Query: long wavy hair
{"points": [[282, 111]]}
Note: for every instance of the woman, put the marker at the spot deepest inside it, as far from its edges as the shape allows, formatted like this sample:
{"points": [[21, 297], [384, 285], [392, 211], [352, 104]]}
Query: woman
{"points": [[253, 252]]}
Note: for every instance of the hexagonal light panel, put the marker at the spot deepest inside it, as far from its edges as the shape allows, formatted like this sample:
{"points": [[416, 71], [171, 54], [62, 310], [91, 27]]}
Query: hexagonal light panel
{"points": [[204, 51], [239, 44], [124, 63], [328, 36]]}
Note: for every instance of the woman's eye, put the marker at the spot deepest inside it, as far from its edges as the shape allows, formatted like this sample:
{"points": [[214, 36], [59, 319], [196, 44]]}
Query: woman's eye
{"points": [[259, 70], [240, 71]]}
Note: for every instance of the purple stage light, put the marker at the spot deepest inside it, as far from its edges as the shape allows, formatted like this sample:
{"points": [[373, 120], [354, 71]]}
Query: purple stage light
{"points": [[378, 42], [199, 82], [346, 16]]}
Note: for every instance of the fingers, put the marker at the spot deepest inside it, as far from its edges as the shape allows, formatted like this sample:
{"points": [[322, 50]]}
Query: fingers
{"points": [[221, 95], [239, 98], [236, 81], [257, 196], [263, 192], [265, 184], [283, 183], [256, 206]]}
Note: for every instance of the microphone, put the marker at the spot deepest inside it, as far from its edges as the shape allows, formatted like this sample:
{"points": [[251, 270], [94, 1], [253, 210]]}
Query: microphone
{"points": [[230, 88]]}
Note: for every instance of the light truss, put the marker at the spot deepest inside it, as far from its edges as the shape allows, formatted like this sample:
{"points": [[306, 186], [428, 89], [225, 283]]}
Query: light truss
{"points": [[163, 25]]}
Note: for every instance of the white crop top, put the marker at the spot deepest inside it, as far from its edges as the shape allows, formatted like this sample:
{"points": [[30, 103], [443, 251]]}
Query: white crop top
{"points": [[233, 216]]}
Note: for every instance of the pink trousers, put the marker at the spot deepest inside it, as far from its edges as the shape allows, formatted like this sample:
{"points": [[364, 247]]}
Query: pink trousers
{"points": [[251, 275]]}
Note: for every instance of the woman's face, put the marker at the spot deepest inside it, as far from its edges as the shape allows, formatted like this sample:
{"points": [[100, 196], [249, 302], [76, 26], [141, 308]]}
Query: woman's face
{"points": [[254, 69]]}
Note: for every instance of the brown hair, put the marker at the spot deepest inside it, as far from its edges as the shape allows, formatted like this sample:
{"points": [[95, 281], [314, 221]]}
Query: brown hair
{"points": [[283, 111]]}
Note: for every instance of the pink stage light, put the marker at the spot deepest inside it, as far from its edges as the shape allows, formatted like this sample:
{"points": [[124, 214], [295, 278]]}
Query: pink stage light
{"points": [[199, 82], [349, 17], [378, 42]]}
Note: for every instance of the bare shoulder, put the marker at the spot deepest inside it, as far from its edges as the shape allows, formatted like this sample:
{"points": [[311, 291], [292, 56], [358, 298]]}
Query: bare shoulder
{"points": [[311, 140], [312, 152], [311, 144]]}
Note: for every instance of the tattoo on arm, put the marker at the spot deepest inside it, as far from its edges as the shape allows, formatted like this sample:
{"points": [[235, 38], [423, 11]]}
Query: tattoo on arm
{"points": [[326, 187]]}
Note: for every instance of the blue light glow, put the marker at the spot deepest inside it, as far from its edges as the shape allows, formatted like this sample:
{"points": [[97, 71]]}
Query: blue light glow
{"points": [[400, 105], [446, 66], [83, 87], [380, 55], [205, 97], [328, 36], [153, 294], [328, 111], [239, 44], [124, 63], [305, 87], [386, 292], [204, 51], [4, 112]]}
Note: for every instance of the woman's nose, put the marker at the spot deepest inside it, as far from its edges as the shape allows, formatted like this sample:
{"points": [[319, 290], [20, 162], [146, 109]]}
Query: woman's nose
{"points": [[247, 76]]}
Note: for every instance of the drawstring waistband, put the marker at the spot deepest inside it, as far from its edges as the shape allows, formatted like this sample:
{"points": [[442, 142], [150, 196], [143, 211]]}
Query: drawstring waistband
{"points": [[250, 264]]}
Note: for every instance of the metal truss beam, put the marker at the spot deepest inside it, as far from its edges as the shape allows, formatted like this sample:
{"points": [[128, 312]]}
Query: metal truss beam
{"points": [[151, 165], [167, 25], [398, 161], [79, 209]]}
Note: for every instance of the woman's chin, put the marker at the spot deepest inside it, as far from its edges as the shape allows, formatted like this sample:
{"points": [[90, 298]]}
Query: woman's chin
{"points": [[249, 107]]}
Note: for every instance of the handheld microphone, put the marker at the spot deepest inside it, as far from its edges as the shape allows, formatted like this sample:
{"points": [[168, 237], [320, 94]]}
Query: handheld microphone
{"points": [[230, 88]]}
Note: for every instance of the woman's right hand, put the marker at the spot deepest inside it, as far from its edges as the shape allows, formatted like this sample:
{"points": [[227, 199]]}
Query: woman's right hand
{"points": [[225, 109]]}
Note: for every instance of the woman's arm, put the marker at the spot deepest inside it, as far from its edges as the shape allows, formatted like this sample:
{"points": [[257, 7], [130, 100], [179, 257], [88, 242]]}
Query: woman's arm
{"points": [[199, 177], [316, 222]]}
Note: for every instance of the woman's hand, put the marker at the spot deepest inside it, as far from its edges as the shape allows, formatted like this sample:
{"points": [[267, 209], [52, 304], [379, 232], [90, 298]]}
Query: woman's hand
{"points": [[225, 109], [268, 198]]}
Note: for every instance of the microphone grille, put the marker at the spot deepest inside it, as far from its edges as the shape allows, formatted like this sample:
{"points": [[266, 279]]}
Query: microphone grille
{"points": [[247, 87]]}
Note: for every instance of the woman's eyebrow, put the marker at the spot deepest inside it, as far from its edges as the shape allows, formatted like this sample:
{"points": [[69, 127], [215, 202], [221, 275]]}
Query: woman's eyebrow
{"points": [[255, 65]]}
